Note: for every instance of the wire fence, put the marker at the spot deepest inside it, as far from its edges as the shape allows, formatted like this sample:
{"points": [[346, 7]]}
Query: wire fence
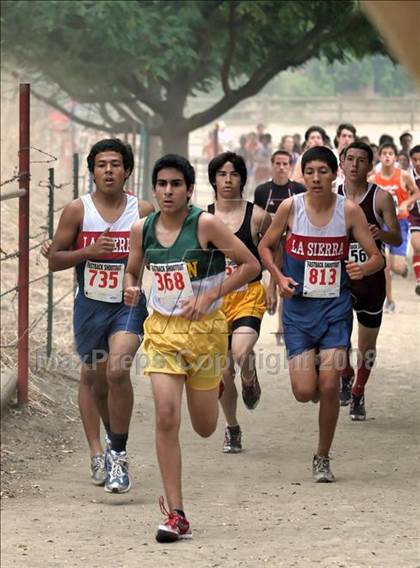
{"points": [[42, 313]]}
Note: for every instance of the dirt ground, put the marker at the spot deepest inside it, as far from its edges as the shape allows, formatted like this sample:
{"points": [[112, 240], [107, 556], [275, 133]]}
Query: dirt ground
{"points": [[258, 508]]}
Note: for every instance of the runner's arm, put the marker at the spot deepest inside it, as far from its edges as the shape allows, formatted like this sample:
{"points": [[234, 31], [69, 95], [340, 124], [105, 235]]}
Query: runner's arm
{"points": [[60, 254], [357, 223], [412, 189], [269, 247], [262, 222], [135, 265], [212, 230], [385, 204], [145, 208]]}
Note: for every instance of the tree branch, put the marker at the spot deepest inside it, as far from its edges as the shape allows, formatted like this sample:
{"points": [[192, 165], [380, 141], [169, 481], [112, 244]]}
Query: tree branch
{"points": [[119, 126], [293, 56]]}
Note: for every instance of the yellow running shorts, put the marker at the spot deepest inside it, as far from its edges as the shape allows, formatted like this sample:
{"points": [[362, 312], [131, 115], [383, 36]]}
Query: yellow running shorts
{"points": [[249, 302], [196, 349]]}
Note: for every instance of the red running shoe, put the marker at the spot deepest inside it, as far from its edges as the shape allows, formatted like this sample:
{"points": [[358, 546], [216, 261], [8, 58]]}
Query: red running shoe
{"points": [[176, 527]]}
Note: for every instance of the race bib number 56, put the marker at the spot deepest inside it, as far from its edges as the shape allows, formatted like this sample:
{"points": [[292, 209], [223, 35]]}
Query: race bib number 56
{"points": [[171, 282], [104, 281], [322, 279], [357, 254]]}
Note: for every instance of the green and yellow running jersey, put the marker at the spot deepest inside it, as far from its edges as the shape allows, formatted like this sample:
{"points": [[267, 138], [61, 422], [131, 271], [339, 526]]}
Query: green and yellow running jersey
{"points": [[183, 269]]}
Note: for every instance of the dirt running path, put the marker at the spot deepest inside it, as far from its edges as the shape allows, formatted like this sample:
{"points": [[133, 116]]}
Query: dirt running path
{"points": [[259, 508]]}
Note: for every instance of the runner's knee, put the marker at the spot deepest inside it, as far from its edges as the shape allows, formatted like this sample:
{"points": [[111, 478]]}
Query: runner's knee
{"points": [[167, 419]]}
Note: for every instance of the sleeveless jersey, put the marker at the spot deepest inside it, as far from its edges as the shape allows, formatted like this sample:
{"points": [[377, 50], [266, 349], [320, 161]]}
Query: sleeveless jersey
{"points": [[182, 270], [367, 204], [394, 186], [414, 211], [314, 257], [244, 234], [102, 279]]}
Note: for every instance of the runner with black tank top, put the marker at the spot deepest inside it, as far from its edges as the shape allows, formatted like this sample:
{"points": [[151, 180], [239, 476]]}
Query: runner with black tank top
{"points": [[368, 293], [244, 308], [269, 196], [414, 215]]}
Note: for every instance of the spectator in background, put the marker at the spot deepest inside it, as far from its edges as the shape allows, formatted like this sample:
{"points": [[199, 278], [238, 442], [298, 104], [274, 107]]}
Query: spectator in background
{"points": [[406, 141], [314, 136], [263, 159], [403, 161], [226, 139], [365, 140], [345, 135], [209, 149], [287, 144], [297, 143], [260, 131], [386, 138]]}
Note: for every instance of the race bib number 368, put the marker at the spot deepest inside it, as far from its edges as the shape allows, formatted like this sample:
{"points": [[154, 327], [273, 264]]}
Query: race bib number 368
{"points": [[171, 282], [104, 281], [322, 279]]}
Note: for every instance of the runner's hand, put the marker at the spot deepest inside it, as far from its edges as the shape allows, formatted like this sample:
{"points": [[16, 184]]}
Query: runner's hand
{"points": [[354, 270], [131, 295], [103, 245], [286, 286], [375, 232], [195, 307], [45, 249]]}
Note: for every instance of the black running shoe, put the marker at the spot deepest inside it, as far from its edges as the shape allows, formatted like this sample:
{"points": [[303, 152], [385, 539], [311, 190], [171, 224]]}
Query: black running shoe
{"points": [[232, 443], [345, 390], [251, 394], [357, 408]]}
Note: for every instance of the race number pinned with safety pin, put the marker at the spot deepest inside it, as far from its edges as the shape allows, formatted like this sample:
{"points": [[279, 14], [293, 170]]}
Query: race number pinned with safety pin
{"points": [[322, 279], [104, 281], [230, 268], [171, 282]]}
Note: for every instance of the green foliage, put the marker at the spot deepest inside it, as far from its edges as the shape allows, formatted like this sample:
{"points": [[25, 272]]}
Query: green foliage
{"points": [[376, 75], [158, 53]]}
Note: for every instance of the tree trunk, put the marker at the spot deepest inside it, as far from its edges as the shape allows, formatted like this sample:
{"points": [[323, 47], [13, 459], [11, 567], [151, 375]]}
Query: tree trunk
{"points": [[174, 141]]}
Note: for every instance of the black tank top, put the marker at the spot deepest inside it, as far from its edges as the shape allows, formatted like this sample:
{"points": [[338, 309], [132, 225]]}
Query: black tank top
{"points": [[244, 233], [367, 204]]}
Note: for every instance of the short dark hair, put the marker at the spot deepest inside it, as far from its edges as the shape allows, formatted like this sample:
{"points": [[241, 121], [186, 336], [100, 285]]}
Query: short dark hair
{"points": [[415, 150], [385, 138], [387, 145], [322, 154], [316, 129], [359, 146], [178, 163], [340, 128], [404, 135], [238, 163], [281, 153], [112, 145]]}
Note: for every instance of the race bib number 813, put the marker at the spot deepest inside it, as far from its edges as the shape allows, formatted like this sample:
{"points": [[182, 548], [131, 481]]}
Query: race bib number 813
{"points": [[322, 279]]}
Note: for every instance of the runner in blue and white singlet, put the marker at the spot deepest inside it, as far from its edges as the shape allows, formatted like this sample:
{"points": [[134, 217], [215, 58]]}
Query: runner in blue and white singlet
{"points": [[99, 310], [314, 280]]}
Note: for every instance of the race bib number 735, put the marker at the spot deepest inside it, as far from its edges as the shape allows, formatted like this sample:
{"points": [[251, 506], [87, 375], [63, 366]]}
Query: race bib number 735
{"points": [[103, 281]]}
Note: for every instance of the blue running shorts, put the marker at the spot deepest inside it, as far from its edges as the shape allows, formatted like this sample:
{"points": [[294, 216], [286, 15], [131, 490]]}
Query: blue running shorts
{"points": [[94, 322]]}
